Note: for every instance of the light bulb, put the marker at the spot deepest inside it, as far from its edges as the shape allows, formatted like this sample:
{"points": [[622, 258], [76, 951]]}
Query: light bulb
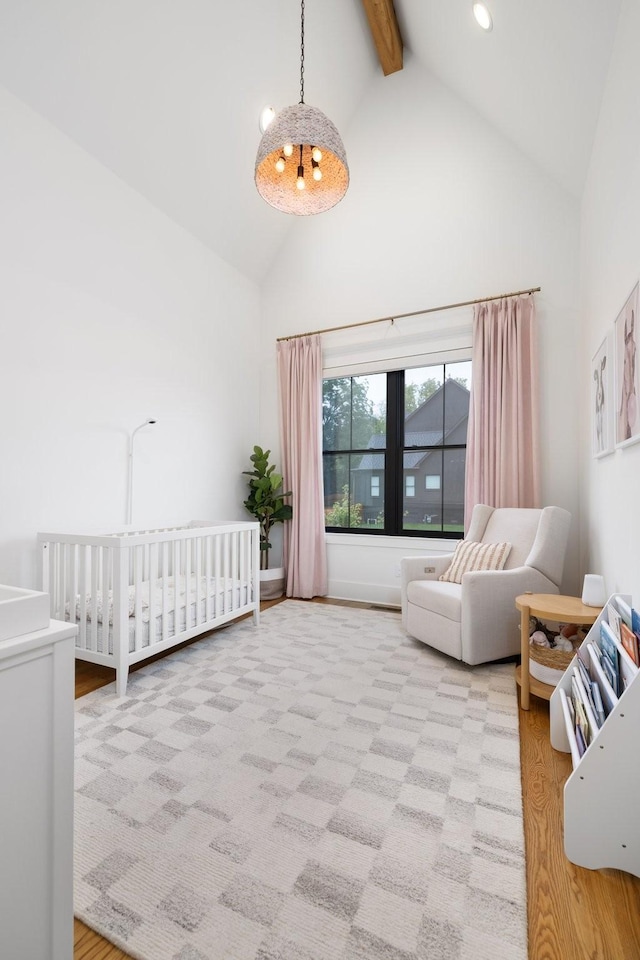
{"points": [[316, 153], [267, 114], [280, 164], [287, 149], [317, 173], [300, 184], [482, 15]]}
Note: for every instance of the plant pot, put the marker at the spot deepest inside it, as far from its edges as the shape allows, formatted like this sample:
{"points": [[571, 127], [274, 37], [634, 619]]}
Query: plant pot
{"points": [[271, 583]]}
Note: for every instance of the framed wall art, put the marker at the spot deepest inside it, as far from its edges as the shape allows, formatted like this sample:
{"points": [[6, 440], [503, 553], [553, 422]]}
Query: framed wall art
{"points": [[627, 384], [602, 419]]}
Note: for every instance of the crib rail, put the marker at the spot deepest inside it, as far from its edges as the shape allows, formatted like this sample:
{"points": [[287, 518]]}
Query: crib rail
{"points": [[133, 592]]}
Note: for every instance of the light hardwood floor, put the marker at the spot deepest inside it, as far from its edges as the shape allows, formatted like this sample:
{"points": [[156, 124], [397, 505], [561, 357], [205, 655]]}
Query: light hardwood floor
{"points": [[573, 913]]}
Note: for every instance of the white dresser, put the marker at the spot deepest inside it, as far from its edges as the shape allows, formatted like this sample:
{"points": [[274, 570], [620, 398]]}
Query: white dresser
{"points": [[36, 794]]}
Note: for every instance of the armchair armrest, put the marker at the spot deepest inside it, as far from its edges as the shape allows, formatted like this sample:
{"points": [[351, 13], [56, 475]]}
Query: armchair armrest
{"points": [[421, 568], [488, 609]]}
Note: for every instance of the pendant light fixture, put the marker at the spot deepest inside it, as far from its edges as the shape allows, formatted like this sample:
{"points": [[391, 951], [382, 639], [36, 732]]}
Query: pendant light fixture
{"points": [[301, 166]]}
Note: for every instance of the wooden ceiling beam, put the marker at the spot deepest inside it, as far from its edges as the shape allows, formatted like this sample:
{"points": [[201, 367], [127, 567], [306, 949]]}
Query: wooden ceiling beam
{"points": [[384, 27]]}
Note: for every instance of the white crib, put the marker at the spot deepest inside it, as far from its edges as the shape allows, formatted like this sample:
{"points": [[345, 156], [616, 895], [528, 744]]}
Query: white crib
{"points": [[137, 593]]}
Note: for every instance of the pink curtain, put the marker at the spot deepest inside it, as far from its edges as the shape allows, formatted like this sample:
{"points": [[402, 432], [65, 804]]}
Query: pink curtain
{"points": [[300, 377], [503, 442]]}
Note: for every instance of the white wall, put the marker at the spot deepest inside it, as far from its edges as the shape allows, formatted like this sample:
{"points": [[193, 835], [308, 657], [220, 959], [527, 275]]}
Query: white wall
{"points": [[610, 266], [110, 314], [441, 208]]}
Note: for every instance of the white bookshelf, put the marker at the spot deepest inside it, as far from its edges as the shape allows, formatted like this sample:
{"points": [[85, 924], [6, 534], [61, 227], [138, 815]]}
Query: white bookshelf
{"points": [[602, 795]]}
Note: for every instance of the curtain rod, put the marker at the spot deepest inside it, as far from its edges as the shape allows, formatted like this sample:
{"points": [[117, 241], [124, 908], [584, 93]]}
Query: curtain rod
{"points": [[415, 313]]}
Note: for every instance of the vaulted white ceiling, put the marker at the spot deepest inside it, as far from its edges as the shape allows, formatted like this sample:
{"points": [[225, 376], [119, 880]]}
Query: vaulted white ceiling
{"points": [[167, 95]]}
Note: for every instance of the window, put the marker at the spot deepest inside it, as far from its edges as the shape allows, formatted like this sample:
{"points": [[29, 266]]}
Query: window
{"points": [[394, 450]]}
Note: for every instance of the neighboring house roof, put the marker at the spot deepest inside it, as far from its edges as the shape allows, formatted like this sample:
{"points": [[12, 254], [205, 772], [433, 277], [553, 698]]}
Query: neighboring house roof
{"points": [[412, 438], [371, 461], [422, 438], [375, 461]]}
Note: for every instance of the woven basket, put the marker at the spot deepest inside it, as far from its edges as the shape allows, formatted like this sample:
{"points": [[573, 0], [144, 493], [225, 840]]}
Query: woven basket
{"points": [[548, 665]]}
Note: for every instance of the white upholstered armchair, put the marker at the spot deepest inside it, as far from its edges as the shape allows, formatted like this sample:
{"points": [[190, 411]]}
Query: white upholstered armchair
{"points": [[476, 620]]}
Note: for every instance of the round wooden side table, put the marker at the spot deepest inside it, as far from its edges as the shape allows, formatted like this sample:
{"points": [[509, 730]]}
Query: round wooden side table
{"points": [[546, 606]]}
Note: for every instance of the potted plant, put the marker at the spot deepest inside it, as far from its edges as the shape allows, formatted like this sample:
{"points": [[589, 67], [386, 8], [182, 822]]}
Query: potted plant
{"points": [[266, 502]]}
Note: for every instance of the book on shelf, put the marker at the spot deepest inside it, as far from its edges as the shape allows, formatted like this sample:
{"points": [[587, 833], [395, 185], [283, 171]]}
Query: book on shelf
{"points": [[613, 619], [570, 726], [597, 673], [635, 626], [625, 666], [629, 641], [585, 690], [629, 618], [597, 702], [624, 610], [582, 746], [571, 711], [585, 716], [610, 663], [584, 673]]}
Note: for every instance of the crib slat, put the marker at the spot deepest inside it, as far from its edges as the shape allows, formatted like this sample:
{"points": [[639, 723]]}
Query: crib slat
{"points": [[255, 570], [70, 604], [165, 590], [233, 603], [56, 581], [138, 574], [44, 569], [250, 552], [208, 543], [242, 572], [177, 575], [107, 598], [121, 562], [215, 574], [225, 573], [83, 590], [232, 570], [187, 586], [153, 586], [197, 545], [95, 571], [64, 563]]}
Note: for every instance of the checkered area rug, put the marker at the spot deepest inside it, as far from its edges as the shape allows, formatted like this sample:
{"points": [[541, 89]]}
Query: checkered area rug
{"points": [[321, 787]]}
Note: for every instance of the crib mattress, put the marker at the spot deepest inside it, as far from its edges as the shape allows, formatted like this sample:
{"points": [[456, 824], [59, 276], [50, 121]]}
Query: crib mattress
{"points": [[225, 596]]}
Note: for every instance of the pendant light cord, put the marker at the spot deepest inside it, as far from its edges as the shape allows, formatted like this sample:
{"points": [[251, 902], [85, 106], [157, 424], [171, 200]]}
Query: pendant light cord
{"points": [[302, 52]]}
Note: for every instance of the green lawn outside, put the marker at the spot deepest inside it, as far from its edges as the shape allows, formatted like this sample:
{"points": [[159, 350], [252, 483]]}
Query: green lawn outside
{"points": [[433, 527]]}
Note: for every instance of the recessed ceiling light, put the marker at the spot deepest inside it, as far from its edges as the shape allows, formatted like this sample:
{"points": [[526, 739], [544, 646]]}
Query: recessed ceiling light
{"points": [[482, 15], [267, 114]]}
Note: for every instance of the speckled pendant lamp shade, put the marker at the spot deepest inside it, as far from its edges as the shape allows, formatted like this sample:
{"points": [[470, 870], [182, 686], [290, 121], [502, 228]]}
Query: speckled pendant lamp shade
{"points": [[301, 124], [301, 166]]}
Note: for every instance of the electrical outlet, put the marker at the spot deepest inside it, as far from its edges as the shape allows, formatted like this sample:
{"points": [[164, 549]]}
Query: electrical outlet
{"points": [[429, 569], [396, 570]]}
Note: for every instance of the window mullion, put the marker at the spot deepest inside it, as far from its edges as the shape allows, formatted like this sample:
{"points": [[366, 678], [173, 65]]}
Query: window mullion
{"points": [[394, 455]]}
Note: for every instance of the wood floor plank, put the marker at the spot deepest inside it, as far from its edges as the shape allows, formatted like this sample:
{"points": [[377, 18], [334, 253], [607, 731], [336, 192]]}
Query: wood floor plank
{"points": [[573, 913], [88, 945]]}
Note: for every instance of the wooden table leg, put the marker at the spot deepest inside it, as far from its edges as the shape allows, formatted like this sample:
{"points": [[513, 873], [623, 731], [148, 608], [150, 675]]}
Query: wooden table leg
{"points": [[525, 686]]}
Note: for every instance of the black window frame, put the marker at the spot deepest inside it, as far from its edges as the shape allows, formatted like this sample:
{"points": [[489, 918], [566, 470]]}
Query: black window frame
{"points": [[393, 471]]}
